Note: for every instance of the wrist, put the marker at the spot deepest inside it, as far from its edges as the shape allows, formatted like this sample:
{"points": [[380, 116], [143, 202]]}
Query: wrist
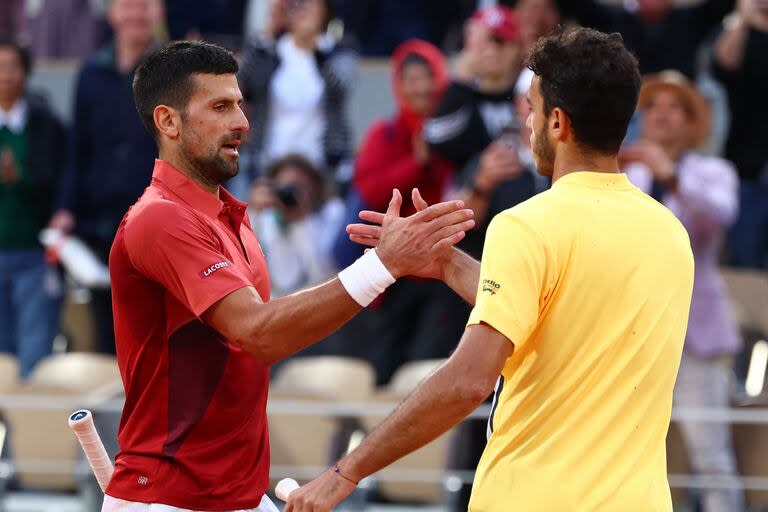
{"points": [[450, 265], [366, 278]]}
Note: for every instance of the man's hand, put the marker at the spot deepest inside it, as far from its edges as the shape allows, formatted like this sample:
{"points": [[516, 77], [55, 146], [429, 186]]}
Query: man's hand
{"points": [[321, 494], [369, 235], [62, 220], [9, 172], [498, 163], [653, 157]]}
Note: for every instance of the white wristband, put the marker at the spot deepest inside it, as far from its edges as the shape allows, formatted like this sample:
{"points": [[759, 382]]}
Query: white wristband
{"points": [[366, 278]]}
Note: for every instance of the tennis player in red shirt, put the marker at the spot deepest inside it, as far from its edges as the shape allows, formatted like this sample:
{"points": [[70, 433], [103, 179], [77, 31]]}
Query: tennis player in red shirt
{"points": [[194, 326]]}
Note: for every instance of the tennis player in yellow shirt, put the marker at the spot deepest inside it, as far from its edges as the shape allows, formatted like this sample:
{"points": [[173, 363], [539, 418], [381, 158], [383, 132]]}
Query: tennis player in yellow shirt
{"points": [[581, 304]]}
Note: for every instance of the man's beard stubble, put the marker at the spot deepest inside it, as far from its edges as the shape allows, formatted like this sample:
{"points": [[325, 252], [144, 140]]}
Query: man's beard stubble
{"points": [[210, 167]]}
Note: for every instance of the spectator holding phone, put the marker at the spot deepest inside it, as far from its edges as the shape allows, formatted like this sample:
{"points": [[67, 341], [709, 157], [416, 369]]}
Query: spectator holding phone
{"points": [[296, 218]]}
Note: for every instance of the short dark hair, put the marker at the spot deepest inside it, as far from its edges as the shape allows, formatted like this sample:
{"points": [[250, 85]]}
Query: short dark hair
{"points": [[25, 57], [593, 78], [166, 77]]}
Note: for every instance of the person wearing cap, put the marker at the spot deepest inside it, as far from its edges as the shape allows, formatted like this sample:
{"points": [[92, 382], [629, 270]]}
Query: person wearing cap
{"points": [[476, 126], [702, 191]]}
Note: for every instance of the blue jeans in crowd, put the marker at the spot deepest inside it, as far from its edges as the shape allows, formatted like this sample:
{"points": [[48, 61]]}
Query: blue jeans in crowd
{"points": [[748, 238], [30, 303]]}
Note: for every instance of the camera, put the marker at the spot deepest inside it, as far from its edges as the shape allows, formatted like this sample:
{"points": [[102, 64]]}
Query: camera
{"points": [[288, 196]]}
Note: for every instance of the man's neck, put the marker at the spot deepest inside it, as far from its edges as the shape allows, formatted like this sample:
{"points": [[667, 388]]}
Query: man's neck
{"points": [[7, 104], [128, 54], [576, 161], [494, 85], [183, 165], [305, 42]]}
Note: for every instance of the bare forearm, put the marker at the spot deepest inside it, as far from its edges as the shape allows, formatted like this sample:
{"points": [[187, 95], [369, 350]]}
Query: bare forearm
{"points": [[462, 275], [729, 47], [286, 325], [436, 406]]}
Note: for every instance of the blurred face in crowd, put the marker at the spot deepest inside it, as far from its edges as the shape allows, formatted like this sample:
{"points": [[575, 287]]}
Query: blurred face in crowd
{"points": [[12, 76], [418, 86], [212, 126], [537, 18], [301, 186], [307, 18], [135, 21], [542, 145], [762, 6], [666, 120], [496, 58]]}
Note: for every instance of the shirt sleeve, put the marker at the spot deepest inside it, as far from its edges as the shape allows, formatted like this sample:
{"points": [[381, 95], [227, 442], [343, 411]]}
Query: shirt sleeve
{"points": [[513, 279], [173, 248]]}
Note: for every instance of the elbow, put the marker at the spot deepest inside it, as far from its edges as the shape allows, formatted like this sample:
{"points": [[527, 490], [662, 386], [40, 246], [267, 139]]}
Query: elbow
{"points": [[472, 392], [257, 344]]}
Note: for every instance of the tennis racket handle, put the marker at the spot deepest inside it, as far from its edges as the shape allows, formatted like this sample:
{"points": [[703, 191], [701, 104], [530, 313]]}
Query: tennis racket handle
{"points": [[285, 487], [81, 422]]}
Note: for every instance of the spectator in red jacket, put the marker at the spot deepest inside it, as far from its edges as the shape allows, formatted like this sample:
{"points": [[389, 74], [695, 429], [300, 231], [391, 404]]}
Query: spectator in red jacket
{"points": [[394, 153], [412, 320]]}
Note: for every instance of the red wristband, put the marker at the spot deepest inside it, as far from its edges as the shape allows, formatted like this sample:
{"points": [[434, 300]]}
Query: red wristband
{"points": [[337, 470]]}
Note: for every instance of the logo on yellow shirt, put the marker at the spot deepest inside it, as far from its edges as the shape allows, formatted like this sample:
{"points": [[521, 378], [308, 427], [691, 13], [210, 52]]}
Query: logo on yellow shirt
{"points": [[491, 286]]}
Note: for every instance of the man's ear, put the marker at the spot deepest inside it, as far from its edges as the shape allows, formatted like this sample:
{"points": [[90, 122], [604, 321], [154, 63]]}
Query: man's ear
{"points": [[167, 121], [560, 124]]}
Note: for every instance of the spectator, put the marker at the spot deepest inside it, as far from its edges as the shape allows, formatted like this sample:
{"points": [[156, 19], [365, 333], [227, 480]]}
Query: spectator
{"points": [[412, 321], [662, 35], [112, 154], [296, 218], [394, 153], [476, 127], [297, 87], [741, 65], [702, 192], [538, 18], [32, 147], [65, 29]]}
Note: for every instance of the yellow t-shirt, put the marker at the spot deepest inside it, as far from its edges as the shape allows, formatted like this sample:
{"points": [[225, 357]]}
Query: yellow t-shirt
{"points": [[592, 282]]}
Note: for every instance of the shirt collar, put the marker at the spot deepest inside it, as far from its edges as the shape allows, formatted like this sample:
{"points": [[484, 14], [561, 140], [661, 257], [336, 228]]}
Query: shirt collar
{"points": [[604, 180], [16, 118], [196, 196]]}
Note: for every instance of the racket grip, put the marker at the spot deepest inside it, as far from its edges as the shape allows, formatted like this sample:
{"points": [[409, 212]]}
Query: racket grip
{"points": [[81, 422], [285, 487]]}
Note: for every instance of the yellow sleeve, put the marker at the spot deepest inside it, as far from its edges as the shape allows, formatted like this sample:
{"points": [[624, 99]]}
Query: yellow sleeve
{"points": [[513, 274]]}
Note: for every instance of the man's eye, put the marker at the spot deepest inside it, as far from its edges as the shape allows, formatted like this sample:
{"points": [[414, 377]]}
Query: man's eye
{"points": [[219, 108]]}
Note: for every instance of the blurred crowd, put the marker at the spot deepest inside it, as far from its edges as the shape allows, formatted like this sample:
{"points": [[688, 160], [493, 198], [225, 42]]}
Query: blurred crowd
{"points": [[699, 144]]}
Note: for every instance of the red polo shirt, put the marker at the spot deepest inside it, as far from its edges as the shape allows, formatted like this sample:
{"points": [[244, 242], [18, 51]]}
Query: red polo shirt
{"points": [[193, 433]]}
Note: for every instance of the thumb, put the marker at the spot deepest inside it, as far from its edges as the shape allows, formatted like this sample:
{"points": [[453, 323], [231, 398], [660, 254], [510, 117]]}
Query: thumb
{"points": [[395, 204], [418, 201]]}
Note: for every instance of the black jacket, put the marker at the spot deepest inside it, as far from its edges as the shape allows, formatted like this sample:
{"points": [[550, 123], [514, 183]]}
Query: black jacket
{"points": [[47, 155]]}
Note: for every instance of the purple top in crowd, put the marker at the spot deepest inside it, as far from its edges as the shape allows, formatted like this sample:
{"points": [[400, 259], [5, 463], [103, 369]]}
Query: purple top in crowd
{"points": [[706, 202]]}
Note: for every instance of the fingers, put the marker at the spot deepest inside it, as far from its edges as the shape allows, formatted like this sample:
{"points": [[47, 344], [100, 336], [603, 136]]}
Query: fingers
{"points": [[438, 210], [394, 204], [364, 230], [418, 201], [447, 243], [450, 219], [372, 217], [450, 230], [364, 240]]}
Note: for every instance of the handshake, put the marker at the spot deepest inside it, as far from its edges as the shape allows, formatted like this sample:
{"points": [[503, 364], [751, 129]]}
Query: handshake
{"points": [[419, 245]]}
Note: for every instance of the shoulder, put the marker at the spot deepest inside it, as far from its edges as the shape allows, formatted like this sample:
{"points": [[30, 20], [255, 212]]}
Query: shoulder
{"points": [[156, 216]]}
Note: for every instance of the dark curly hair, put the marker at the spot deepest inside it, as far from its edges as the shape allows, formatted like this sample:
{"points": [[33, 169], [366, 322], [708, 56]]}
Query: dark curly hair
{"points": [[593, 78]]}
